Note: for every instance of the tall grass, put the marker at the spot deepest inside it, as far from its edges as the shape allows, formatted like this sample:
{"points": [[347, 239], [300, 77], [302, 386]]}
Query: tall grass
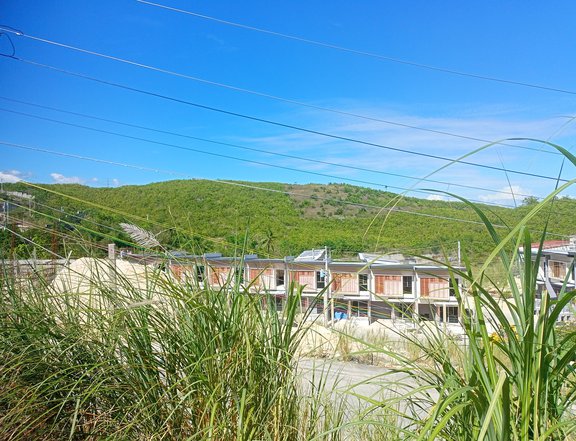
{"points": [[170, 361], [166, 360], [511, 377]]}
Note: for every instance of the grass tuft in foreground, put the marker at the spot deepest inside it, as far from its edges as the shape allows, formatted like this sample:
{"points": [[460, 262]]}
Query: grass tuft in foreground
{"points": [[167, 361], [512, 376]]}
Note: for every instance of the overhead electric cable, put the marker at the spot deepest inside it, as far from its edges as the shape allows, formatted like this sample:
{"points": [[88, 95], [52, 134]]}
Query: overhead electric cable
{"points": [[266, 95], [284, 155], [360, 52], [85, 219], [104, 248], [118, 212], [74, 225], [220, 155], [65, 213], [205, 237], [62, 235], [250, 161], [288, 126], [32, 242], [239, 184]]}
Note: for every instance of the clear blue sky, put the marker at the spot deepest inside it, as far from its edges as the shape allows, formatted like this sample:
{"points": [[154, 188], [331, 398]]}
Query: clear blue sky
{"points": [[519, 41]]}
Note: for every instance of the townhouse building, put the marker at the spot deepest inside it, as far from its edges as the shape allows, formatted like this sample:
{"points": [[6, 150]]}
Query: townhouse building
{"points": [[368, 288], [556, 272]]}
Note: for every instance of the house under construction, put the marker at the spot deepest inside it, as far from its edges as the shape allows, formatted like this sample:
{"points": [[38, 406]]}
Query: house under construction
{"points": [[369, 288]]}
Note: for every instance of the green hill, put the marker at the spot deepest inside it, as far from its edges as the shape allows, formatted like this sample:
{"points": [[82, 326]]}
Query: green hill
{"points": [[201, 216]]}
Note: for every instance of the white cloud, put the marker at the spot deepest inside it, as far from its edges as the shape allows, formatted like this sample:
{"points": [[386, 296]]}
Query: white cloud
{"points": [[61, 179], [401, 169], [473, 128], [436, 197], [10, 176], [506, 194], [115, 182]]}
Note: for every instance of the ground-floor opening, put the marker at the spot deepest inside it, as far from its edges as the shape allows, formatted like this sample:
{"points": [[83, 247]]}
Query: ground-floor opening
{"points": [[440, 312]]}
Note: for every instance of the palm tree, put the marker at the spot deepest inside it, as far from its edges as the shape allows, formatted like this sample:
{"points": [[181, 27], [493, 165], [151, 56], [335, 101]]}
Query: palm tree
{"points": [[267, 240]]}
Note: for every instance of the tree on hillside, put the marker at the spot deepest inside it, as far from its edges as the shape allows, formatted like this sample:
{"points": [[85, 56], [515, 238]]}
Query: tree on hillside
{"points": [[267, 241]]}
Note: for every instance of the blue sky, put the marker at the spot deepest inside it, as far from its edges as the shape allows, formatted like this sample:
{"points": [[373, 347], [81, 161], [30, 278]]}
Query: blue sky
{"points": [[349, 94]]}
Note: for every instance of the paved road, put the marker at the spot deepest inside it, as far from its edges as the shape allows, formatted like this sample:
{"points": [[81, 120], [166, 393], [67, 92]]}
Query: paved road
{"points": [[354, 379], [357, 387]]}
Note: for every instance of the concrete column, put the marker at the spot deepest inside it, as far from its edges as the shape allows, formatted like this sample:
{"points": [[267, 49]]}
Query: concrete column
{"points": [[112, 269]]}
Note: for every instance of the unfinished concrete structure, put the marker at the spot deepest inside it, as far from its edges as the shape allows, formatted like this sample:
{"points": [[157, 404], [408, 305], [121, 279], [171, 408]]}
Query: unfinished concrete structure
{"points": [[368, 288]]}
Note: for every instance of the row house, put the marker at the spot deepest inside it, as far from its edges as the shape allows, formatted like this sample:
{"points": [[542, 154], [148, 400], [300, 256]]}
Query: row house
{"points": [[370, 288], [209, 270], [557, 271]]}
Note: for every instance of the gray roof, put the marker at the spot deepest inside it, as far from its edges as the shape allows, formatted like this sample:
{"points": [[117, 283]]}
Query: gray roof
{"points": [[311, 256]]}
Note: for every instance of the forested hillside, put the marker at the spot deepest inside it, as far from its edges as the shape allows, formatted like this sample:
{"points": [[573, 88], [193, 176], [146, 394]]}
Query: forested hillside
{"points": [[200, 216]]}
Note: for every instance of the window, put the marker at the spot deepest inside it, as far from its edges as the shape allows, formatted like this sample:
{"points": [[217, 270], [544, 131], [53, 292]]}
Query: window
{"points": [[200, 273], [279, 277], [359, 309], [557, 269], [320, 279], [239, 274], [389, 286], [406, 284], [220, 275], [279, 303], [261, 278], [404, 310], [452, 313], [346, 283], [303, 278], [434, 287], [453, 286], [363, 282]]}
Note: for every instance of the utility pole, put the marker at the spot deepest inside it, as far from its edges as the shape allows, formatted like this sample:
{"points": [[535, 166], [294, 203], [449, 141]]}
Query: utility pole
{"points": [[326, 287], [459, 255], [112, 265], [5, 213]]}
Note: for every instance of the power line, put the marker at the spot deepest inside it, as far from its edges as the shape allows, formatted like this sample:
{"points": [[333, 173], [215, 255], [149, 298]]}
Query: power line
{"points": [[61, 211], [239, 184], [202, 236], [219, 241], [149, 169], [75, 226], [64, 235], [269, 96], [32, 242], [289, 126], [251, 161], [219, 155], [315, 161], [99, 233], [115, 211], [360, 52], [411, 250]]}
